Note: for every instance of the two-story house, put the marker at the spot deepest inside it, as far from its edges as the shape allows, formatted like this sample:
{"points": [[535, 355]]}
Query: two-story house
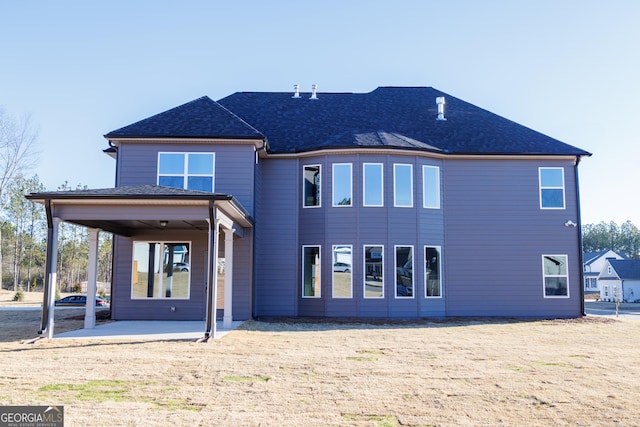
{"points": [[404, 202], [593, 263]]}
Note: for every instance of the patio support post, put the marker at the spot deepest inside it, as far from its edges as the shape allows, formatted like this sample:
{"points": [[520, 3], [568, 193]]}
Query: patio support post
{"points": [[212, 278], [92, 269], [50, 279], [228, 278]]}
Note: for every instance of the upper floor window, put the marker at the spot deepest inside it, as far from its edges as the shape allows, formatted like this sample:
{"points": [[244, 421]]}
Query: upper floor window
{"points": [[372, 184], [551, 188], [431, 187], [311, 186], [556, 275], [403, 185], [193, 171], [342, 184]]}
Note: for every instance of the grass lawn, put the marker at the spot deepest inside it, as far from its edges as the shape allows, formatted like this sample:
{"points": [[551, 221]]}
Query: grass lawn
{"points": [[474, 372]]}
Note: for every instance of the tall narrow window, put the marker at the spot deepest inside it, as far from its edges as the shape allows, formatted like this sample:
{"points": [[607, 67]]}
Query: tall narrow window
{"points": [[193, 171], [311, 186], [556, 275], [403, 185], [311, 272], [342, 283], [404, 271], [551, 188], [341, 184], [160, 270], [432, 277], [431, 187], [373, 271], [372, 184]]}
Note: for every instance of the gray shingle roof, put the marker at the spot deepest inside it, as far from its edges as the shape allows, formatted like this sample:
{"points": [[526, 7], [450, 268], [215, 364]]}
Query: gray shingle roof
{"points": [[396, 117], [626, 269], [200, 118]]}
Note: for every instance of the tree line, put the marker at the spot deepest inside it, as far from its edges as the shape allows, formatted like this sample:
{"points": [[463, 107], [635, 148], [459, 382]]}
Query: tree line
{"points": [[623, 239]]}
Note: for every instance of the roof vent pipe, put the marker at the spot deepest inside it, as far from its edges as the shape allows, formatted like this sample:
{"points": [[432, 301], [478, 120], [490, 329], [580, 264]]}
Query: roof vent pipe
{"points": [[296, 91], [440, 102], [314, 95]]}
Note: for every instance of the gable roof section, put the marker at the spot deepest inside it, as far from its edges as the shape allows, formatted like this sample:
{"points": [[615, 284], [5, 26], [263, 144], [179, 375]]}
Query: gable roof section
{"points": [[388, 117], [626, 269], [200, 118]]}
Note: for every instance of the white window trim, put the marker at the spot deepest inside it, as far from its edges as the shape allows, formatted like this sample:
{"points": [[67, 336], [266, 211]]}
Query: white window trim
{"points": [[364, 185], [333, 184], [395, 272], [319, 293], [439, 249], [424, 187], [540, 188], [319, 205], [333, 293], [544, 284], [161, 287], [395, 195], [364, 272], [186, 174]]}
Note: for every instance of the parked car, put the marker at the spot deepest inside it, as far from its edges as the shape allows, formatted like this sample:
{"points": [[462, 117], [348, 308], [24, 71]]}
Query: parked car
{"points": [[180, 266], [78, 301], [341, 267]]}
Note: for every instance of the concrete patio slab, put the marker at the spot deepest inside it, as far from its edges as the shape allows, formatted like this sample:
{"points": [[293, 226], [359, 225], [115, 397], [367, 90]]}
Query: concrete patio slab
{"points": [[147, 330]]}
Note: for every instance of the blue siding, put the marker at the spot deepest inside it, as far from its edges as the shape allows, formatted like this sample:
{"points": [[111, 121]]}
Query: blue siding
{"points": [[496, 235], [276, 254]]}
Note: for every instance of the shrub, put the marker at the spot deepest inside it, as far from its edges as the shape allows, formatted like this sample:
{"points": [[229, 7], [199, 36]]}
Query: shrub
{"points": [[19, 296]]}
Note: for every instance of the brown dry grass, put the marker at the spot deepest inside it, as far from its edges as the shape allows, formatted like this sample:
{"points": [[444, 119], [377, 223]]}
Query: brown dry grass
{"points": [[473, 372]]}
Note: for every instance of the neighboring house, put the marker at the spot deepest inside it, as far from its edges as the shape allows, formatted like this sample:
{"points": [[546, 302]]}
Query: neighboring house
{"points": [[593, 263], [442, 212], [620, 280]]}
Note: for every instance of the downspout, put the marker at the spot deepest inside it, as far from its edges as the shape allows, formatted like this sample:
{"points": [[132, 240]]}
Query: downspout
{"points": [[212, 276], [45, 300], [579, 220]]}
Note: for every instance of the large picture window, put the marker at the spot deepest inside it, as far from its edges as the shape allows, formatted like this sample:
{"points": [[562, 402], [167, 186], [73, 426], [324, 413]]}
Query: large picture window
{"points": [[431, 187], [193, 171], [404, 271], [373, 271], [372, 184], [432, 275], [161, 270], [342, 184], [311, 186], [556, 275], [551, 188], [342, 279], [403, 185], [311, 272]]}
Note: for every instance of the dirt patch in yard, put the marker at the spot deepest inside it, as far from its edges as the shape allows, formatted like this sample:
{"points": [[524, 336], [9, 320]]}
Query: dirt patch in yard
{"points": [[291, 372]]}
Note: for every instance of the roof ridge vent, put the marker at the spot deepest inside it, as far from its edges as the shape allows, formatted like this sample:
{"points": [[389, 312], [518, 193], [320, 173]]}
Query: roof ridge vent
{"points": [[314, 93], [296, 91], [440, 102]]}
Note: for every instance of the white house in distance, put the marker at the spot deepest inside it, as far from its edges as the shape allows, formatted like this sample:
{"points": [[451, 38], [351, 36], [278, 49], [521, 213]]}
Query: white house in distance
{"points": [[620, 279], [593, 263]]}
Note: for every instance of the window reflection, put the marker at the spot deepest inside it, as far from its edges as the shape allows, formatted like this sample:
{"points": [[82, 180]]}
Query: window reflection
{"points": [[342, 261], [311, 186], [160, 270], [372, 182], [342, 184], [433, 285], [403, 185], [404, 271], [373, 272], [311, 271]]}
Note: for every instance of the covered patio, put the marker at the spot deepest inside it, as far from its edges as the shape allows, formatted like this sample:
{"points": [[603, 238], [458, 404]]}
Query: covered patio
{"points": [[149, 209]]}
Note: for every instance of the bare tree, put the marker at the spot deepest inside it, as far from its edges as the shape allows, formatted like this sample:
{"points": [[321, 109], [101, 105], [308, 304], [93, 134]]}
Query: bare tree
{"points": [[18, 153]]}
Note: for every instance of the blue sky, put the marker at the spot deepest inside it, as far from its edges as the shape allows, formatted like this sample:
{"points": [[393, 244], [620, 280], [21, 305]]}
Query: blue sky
{"points": [[569, 69]]}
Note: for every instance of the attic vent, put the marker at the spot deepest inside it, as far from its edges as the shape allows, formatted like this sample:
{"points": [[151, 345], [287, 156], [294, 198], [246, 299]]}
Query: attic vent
{"points": [[314, 94], [440, 102], [296, 91]]}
